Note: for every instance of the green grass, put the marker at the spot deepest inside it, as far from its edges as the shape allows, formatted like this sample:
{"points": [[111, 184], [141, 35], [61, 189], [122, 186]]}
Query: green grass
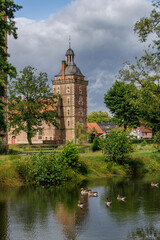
{"points": [[146, 159]]}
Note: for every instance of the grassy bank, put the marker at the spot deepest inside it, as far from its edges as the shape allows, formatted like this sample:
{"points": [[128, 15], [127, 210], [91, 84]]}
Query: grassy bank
{"points": [[145, 160]]}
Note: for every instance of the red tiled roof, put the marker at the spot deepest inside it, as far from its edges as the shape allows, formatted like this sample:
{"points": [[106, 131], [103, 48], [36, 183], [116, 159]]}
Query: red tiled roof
{"points": [[95, 127], [143, 129]]}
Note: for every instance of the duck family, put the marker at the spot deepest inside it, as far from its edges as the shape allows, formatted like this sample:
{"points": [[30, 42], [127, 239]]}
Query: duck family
{"points": [[108, 203]]}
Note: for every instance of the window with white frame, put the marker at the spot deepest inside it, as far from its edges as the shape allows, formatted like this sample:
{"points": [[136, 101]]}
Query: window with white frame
{"points": [[40, 135]]}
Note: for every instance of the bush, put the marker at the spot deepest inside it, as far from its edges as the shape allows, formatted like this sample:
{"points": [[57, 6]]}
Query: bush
{"points": [[43, 169], [95, 144], [118, 146], [70, 155], [156, 141]]}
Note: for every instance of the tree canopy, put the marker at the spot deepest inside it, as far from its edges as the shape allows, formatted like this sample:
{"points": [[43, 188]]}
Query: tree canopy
{"points": [[30, 103], [119, 99], [7, 26], [98, 117], [145, 74]]}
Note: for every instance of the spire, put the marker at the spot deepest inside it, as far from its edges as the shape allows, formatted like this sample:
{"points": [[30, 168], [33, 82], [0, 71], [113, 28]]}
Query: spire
{"points": [[70, 54], [69, 42]]}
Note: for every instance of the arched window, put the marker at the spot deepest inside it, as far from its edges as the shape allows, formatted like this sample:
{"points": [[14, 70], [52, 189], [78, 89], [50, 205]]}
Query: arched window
{"points": [[68, 112], [68, 123], [68, 100]]}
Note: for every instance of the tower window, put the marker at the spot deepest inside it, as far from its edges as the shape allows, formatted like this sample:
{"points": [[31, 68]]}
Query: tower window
{"points": [[80, 89], [68, 123], [67, 89], [58, 89], [68, 100], [68, 111]]}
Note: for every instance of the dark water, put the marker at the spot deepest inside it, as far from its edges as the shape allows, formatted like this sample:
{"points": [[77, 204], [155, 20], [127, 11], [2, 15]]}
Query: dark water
{"points": [[36, 213]]}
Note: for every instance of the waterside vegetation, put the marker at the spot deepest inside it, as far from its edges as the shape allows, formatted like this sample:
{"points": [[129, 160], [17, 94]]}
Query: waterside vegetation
{"points": [[70, 165]]}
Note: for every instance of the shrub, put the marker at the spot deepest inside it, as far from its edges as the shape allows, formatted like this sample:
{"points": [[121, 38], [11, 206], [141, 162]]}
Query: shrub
{"points": [[118, 146], [70, 155], [95, 144], [156, 141], [44, 169]]}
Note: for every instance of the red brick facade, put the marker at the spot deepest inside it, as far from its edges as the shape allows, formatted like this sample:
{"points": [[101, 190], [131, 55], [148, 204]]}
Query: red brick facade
{"points": [[71, 88]]}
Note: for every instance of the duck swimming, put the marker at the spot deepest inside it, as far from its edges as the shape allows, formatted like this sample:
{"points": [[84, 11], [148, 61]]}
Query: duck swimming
{"points": [[154, 184], [120, 198], [92, 194], [80, 205], [108, 203]]}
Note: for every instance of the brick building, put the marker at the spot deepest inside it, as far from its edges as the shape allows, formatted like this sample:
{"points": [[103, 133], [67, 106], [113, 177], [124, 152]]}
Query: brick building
{"points": [[71, 87]]}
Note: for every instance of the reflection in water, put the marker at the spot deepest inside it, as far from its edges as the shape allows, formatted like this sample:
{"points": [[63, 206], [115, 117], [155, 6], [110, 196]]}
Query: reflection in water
{"points": [[69, 221], [52, 213], [147, 233], [3, 220]]}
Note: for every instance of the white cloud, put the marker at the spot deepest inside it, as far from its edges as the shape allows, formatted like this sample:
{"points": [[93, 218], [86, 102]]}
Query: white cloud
{"points": [[102, 39]]}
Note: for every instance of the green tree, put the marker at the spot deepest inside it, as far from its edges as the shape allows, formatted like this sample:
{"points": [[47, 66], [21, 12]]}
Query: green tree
{"points": [[145, 72], [81, 134], [98, 117], [30, 102], [119, 100], [118, 146], [7, 26]]}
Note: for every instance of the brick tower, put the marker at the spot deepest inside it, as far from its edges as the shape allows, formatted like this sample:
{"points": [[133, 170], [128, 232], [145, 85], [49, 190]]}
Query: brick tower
{"points": [[71, 87]]}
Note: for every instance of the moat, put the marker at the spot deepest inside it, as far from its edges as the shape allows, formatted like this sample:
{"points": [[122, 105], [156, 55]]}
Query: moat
{"points": [[52, 213]]}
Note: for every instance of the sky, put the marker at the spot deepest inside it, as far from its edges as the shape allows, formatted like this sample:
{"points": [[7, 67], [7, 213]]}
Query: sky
{"points": [[101, 33]]}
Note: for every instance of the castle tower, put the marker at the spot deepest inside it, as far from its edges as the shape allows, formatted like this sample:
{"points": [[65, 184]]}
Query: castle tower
{"points": [[71, 86]]}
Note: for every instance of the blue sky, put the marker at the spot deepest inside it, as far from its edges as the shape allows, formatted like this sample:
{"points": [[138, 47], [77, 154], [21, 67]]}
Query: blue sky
{"points": [[101, 33], [40, 9]]}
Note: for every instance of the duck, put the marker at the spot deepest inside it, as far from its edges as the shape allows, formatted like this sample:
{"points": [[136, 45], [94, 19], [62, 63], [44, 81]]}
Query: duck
{"points": [[120, 198], [92, 194], [84, 192], [80, 204], [108, 203], [154, 184]]}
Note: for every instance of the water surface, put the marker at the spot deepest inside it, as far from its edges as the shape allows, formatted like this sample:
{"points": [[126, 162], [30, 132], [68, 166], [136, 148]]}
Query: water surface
{"points": [[36, 213]]}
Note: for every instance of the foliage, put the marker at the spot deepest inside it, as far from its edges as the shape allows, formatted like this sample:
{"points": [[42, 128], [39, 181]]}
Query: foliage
{"points": [[7, 26], [44, 169], [118, 146], [145, 72], [70, 155], [119, 99], [95, 144], [53, 168], [156, 141], [30, 102], [81, 134], [98, 117]]}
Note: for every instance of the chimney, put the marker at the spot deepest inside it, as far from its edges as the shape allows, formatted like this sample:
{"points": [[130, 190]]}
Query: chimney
{"points": [[63, 68]]}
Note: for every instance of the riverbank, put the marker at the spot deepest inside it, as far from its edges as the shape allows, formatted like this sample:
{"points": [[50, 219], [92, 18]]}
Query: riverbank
{"points": [[145, 160]]}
